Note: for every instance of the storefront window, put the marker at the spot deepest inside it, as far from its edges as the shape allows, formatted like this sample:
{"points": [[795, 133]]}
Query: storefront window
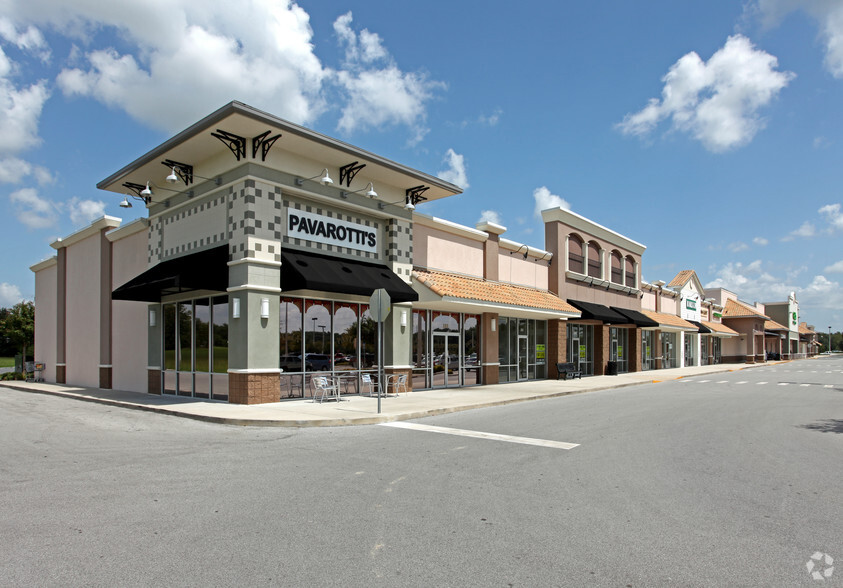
{"points": [[345, 336], [421, 352], [170, 349], [219, 336], [648, 350], [471, 350], [290, 332], [618, 348], [368, 339], [581, 347], [202, 348], [669, 357], [503, 349], [541, 349]]}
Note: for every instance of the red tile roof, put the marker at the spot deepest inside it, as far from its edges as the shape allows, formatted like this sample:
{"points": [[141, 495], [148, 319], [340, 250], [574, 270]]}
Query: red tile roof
{"points": [[719, 328], [774, 326], [735, 309], [455, 286]]}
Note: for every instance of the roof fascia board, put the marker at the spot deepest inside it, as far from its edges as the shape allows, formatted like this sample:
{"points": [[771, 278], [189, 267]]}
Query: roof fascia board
{"points": [[104, 222], [449, 227]]}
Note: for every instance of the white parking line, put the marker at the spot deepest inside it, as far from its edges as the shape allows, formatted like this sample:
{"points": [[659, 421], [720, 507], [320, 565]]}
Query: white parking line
{"points": [[723, 382], [782, 383], [481, 435], [829, 386], [803, 385], [760, 383], [743, 382]]}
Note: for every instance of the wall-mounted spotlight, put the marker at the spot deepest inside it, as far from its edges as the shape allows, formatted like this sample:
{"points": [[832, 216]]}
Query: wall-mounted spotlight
{"points": [[125, 203], [184, 172], [325, 180], [370, 192]]}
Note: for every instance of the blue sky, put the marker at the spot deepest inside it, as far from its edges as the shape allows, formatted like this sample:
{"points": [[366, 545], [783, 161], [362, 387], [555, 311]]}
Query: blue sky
{"points": [[709, 131]]}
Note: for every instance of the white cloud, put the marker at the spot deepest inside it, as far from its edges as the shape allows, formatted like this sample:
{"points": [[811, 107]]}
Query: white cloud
{"points": [[821, 143], [9, 295], [14, 171], [806, 230], [754, 283], [737, 247], [379, 95], [257, 51], [716, 102], [834, 268], [544, 200], [32, 210], [827, 13], [20, 110], [456, 172], [833, 215], [761, 241], [82, 212], [30, 40], [490, 216]]}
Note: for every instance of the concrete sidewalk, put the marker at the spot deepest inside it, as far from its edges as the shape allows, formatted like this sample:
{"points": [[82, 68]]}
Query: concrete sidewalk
{"points": [[362, 410]]}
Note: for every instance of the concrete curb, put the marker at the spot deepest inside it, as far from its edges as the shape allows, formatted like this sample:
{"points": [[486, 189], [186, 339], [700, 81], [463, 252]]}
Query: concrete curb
{"points": [[343, 422]]}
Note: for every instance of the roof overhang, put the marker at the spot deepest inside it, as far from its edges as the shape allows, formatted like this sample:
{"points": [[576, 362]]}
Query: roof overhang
{"points": [[196, 145]]}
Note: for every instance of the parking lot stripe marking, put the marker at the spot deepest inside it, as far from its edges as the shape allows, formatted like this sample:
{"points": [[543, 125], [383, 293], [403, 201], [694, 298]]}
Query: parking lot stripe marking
{"points": [[743, 382], [782, 383], [723, 382], [481, 435], [759, 383], [803, 385], [829, 386]]}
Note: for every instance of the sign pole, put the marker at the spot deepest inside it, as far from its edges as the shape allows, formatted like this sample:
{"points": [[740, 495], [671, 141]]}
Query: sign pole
{"points": [[379, 306]]}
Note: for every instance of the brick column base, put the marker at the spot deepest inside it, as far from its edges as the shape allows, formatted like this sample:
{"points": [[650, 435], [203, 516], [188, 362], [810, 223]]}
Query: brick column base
{"points": [[490, 374], [259, 388], [153, 381], [557, 346], [397, 372], [105, 378]]}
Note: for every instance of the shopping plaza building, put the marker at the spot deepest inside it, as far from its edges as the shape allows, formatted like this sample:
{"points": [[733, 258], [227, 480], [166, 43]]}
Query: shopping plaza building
{"points": [[264, 241]]}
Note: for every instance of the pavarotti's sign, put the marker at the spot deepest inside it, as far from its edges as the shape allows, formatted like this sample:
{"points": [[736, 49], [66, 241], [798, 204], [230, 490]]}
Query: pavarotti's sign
{"points": [[330, 231]]}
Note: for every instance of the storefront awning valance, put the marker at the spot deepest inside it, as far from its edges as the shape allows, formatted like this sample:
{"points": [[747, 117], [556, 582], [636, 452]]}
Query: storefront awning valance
{"points": [[636, 318], [598, 312], [203, 270], [310, 271], [703, 329]]}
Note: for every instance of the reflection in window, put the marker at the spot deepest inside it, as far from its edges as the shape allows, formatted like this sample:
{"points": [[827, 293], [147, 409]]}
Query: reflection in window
{"points": [[185, 332], [345, 336], [471, 350], [421, 354], [290, 333], [169, 336], [617, 270], [575, 256], [219, 337], [630, 273], [368, 338]]}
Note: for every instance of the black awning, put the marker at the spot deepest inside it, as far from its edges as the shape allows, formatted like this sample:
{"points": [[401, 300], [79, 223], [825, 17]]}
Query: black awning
{"points": [[310, 271], [599, 312], [203, 270], [638, 319], [703, 329]]}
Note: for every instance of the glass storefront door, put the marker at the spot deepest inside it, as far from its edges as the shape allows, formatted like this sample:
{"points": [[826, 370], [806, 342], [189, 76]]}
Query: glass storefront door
{"points": [[522, 358], [446, 360]]}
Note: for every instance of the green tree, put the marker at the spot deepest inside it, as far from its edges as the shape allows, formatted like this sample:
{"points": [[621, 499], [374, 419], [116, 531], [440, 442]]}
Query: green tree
{"points": [[18, 325]]}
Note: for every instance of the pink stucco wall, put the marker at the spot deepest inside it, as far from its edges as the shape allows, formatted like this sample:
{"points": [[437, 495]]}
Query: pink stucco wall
{"points": [[513, 268], [129, 319], [45, 320], [435, 249], [83, 312]]}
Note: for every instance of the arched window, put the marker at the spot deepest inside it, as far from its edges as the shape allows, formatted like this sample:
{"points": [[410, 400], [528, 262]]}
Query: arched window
{"points": [[617, 268], [630, 272], [575, 258], [595, 269]]}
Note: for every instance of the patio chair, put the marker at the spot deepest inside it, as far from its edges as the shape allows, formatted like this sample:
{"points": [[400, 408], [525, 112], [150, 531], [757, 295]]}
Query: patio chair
{"points": [[323, 387], [367, 380], [400, 384]]}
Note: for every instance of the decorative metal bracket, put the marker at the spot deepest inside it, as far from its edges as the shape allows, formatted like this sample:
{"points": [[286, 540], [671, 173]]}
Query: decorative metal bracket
{"points": [[183, 170], [236, 143], [136, 188], [264, 144], [414, 195], [347, 172]]}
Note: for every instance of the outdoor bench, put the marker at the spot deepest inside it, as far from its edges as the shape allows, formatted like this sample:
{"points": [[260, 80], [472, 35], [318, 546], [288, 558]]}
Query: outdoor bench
{"points": [[567, 370]]}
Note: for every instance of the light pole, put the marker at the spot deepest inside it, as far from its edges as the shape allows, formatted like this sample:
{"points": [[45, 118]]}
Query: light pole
{"points": [[829, 339], [323, 337], [314, 319]]}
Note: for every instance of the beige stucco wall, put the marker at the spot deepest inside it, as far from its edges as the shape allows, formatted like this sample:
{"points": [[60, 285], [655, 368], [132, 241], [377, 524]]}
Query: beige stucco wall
{"points": [[669, 305], [129, 319], [45, 320], [648, 301], [83, 312], [436, 249]]}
